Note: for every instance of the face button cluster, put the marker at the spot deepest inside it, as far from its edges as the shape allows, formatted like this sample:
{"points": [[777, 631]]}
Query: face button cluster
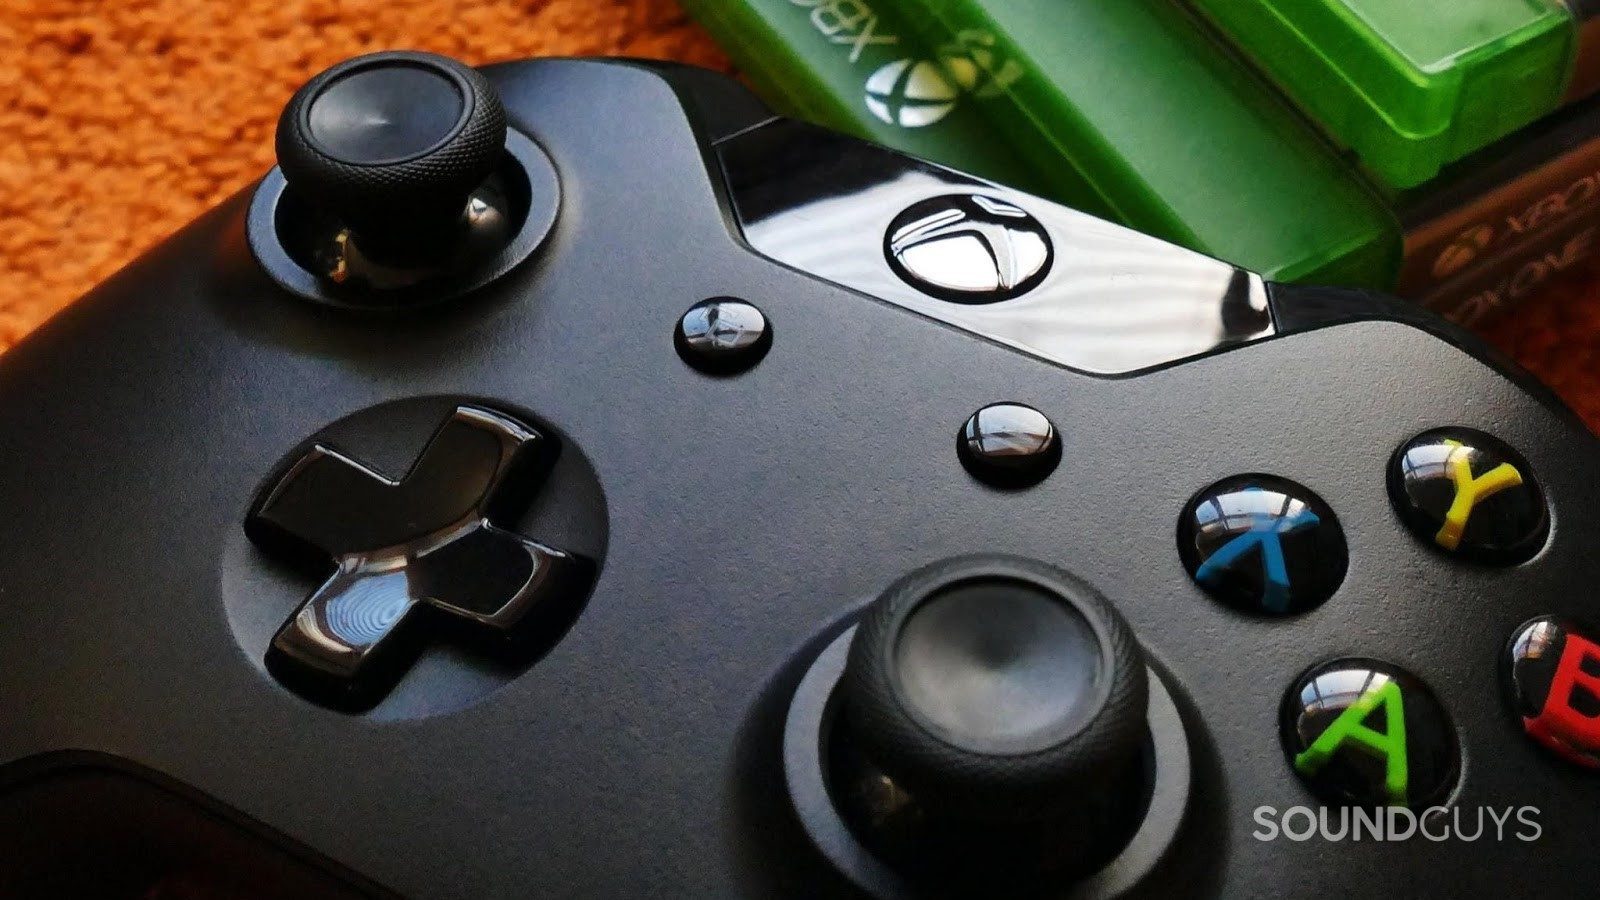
{"points": [[400, 557], [1263, 545], [1359, 731], [1368, 733], [1553, 676], [1470, 495]]}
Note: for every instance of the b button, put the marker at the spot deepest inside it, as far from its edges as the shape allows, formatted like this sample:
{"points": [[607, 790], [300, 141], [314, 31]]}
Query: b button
{"points": [[1553, 675]]}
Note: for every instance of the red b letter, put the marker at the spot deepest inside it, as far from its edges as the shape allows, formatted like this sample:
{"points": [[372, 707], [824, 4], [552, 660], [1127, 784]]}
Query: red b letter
{"points": [[1560, 726]]}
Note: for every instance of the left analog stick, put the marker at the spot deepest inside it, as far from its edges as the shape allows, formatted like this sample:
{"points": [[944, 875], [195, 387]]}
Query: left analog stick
{"points": [[393, 144]]}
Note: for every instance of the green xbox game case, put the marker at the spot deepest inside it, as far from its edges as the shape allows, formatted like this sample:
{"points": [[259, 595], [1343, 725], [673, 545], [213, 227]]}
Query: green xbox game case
{"points": [[1410, 86], [857, 69], [1142, 113], [1117, 144]]}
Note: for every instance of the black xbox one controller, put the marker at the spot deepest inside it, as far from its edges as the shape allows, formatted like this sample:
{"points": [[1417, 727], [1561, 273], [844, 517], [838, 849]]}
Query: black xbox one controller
{"points": [[573, 480]]}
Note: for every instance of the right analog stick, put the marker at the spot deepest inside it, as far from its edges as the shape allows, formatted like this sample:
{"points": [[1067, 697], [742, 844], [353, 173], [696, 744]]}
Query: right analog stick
{"points": [[1008, 700]]}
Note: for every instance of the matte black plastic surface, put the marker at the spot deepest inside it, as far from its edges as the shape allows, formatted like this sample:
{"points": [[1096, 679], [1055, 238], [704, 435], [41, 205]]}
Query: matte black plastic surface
{"points": [[749, 517]]}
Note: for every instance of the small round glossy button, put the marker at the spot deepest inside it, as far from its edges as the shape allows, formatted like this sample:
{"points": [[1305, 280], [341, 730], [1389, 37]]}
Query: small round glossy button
{"points": [[1369, 733], [1009, 445], [722, 336], [1470, 495], [1263, 545], [1553, 681]]}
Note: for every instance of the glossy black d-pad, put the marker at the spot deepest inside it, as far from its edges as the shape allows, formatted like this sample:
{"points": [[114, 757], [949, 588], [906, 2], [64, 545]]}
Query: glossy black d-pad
{"points": [[410, 557]]}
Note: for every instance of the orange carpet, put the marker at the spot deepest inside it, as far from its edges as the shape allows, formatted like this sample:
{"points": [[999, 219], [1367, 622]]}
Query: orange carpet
{"points": [[123, 119]]}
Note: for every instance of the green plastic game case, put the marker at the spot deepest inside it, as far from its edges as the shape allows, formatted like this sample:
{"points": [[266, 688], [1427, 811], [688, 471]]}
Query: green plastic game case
{"points": [[1216, 163], [1410, 85], [1175, 134], [1128, 110], [852, 67]]}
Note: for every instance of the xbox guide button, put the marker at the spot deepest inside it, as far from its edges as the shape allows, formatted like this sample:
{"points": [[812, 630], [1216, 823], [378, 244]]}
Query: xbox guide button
{"points": [[968, 248]]}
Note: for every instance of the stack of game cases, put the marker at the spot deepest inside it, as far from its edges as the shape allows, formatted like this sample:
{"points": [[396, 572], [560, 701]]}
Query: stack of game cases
{"points": [[1447, 150]]}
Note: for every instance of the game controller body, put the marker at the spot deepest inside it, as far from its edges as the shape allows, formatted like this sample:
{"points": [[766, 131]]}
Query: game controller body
{"points": [[664, 728]]}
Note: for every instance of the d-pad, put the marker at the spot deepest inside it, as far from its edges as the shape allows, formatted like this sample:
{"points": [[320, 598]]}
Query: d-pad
{"points": [[404, 554]]}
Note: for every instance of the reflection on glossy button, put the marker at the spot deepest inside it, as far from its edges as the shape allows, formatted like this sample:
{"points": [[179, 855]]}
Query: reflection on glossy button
{"points": [[1553, 680], [1470, 495], [968, 248], [722, 336], [1009, 445], [1263, 545], [1368, 733]]}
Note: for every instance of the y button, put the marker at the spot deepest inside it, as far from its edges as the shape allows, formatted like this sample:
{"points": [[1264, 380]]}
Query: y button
{"points": [[1470, 495]]}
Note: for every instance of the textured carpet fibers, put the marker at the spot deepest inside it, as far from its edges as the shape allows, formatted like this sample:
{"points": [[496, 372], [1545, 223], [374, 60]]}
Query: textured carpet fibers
{"points": [[120, 120]]}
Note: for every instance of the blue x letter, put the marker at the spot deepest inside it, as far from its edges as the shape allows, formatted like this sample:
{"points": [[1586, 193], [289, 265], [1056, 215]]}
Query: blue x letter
{"points": [[1265, 532]]}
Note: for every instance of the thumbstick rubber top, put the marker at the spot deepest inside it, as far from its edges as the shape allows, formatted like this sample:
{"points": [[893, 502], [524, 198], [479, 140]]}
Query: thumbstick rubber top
{"points": [[393, 143], [999, 688], [382, 115], [998, 667]]}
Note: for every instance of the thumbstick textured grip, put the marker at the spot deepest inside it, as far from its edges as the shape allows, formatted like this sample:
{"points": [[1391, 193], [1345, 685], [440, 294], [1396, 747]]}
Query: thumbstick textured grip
{"points": [[392, 142], [997, 689]]}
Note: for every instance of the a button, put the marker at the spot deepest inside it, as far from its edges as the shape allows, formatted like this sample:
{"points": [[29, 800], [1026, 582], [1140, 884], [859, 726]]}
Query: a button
{"points": [[399, 556], [1263, 545], [722, 336], [1368, 733], [1553, 677], [968, 248], [1009, 445], [1470, 495]]}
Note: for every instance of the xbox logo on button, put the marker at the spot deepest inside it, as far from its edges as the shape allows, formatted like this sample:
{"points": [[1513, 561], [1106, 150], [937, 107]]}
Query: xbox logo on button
{"points": [[911, 93]]}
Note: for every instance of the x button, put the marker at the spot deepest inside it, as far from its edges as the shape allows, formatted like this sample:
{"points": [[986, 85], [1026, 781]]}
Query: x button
{"points": [[413, 557], [1262, 544]]}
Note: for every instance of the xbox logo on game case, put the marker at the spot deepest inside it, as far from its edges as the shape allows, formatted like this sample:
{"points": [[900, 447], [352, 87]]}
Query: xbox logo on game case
{"points": [[911, 93], [971, 59], [915, 93], [1463, 250]]}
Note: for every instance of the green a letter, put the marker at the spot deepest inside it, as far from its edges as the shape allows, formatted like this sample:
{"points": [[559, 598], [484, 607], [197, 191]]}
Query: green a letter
{"points": [[1391, 744]]}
